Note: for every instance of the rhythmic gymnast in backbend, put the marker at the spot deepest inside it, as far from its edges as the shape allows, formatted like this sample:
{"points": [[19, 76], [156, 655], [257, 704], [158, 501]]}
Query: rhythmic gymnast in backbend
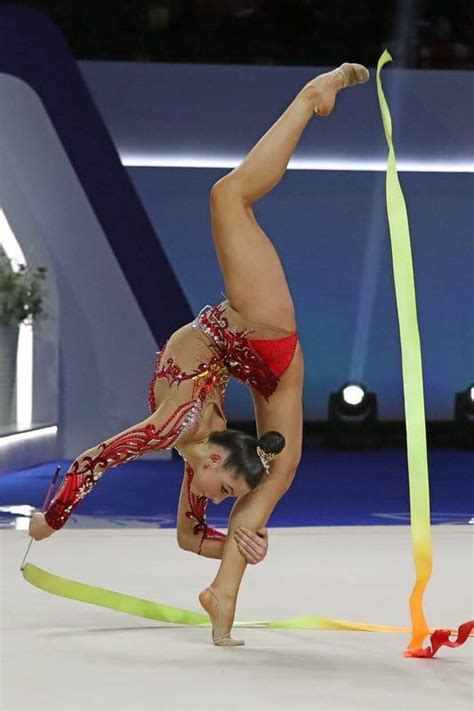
{"points": [[250, 336]]}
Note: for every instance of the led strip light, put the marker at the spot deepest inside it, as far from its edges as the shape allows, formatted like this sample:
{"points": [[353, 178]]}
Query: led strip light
{"points": [[157, 160]]}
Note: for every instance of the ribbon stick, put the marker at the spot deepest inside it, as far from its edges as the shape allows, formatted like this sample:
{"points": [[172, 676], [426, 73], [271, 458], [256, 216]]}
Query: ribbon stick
{"points": [[43, 508], [412, 387]]}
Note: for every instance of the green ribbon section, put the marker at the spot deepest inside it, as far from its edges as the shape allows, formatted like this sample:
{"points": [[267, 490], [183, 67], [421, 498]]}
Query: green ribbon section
{"points": [[412, 375], [175, 615], [107, 598]]}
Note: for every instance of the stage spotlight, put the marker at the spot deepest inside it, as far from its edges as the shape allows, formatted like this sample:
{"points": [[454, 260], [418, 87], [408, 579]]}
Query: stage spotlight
{"points": [[352, 418], [464, 408], [353, 394], [353, 405]]}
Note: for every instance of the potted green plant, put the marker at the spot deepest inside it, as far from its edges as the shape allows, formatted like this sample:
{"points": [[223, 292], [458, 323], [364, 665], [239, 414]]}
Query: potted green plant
{"points": [[21, 300]]}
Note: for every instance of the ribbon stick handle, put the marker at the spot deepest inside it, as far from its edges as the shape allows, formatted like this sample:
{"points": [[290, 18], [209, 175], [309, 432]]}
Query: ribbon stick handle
{"points": [[45, 504]]}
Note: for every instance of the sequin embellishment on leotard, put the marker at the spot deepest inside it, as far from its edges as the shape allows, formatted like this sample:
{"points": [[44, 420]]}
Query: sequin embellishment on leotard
{"points": [[242, 361], [206, 378]]}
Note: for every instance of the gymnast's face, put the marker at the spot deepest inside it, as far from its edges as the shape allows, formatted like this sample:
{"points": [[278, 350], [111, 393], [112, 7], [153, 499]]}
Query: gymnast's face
{"points": [[213, 481]]}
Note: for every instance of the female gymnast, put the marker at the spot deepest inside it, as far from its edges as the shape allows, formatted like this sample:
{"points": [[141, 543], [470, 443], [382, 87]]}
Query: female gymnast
{"points": [[251, 336]]}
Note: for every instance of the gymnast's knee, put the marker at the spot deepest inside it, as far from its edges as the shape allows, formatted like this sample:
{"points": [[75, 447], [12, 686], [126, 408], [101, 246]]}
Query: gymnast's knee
{"points": [[228, 188]]}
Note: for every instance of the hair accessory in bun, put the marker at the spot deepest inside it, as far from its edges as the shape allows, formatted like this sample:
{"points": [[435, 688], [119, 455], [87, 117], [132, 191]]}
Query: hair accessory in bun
{"points": [[266, 458]]}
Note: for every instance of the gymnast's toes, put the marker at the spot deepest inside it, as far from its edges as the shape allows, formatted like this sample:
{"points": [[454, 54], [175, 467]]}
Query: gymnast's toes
{"points": [[222, 618], [326, 86], [354, 73]]}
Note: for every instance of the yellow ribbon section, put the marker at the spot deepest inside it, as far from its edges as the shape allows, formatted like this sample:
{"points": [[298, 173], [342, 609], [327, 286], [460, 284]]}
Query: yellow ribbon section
{"points": [[412, 376]]}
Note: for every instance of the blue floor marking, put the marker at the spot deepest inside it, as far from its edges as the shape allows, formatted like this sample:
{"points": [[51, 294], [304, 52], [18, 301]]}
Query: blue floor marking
{"points": [[331, 489]]}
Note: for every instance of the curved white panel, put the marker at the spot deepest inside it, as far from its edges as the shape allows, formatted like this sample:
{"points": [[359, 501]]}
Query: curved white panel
{"points": [[24, 361], [106, 349]]}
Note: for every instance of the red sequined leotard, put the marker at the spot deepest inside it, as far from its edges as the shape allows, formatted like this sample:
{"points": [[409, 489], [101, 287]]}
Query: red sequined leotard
{"points": [[192, 371]]}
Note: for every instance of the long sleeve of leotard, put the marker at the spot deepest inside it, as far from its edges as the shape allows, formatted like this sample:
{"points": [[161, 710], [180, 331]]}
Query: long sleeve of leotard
{"points": [[159, 431]]}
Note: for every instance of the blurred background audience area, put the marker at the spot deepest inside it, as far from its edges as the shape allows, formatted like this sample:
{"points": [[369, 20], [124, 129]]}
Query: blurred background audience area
{"points": [[425, 34]]}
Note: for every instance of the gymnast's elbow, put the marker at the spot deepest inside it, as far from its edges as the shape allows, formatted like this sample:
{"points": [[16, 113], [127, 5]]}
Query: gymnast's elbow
{"points": [[186, 543]]}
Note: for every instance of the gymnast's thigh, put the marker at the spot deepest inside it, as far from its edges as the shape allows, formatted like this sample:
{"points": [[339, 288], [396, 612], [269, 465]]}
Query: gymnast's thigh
{"points": [[284, 413]]}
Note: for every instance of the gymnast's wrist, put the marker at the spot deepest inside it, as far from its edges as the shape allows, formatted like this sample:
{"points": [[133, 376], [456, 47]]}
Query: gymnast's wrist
{"points": [[211, 547]]}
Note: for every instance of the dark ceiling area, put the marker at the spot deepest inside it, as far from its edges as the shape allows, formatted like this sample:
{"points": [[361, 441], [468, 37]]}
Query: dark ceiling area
{"points": [[437, 34]]}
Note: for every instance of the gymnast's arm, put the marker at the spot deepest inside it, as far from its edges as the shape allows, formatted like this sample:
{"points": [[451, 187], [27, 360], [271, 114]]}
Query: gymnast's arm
{"points": [[192, 526], [158, 431], [196, 536]]}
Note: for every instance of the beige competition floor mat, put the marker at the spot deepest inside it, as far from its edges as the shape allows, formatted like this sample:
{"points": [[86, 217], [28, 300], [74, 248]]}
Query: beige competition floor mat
{"points": [[62, 654]]}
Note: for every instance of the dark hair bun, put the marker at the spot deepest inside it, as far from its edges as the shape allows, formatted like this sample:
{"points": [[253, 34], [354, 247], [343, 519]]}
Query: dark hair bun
{"points": [[243, 458], [271, 442]]}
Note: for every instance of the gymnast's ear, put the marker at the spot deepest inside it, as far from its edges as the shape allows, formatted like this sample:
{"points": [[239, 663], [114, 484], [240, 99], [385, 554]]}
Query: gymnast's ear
{"points": [[214, 459]]}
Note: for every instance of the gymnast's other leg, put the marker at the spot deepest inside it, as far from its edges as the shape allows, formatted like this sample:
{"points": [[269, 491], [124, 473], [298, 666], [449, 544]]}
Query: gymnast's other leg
{"points": [[283, 413]]}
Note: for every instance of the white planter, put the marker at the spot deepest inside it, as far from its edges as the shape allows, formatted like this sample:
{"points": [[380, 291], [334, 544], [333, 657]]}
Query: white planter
{"points": [[8, 353]]}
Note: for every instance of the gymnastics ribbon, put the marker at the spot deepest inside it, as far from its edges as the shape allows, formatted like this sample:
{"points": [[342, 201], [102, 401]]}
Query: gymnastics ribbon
{"points": [[412, 387], [417, 466], [175, 615]]}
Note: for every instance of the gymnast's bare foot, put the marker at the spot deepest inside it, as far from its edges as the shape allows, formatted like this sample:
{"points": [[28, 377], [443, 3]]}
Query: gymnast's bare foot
{"points": [[325, 86], [221, 612], [38, 528]]}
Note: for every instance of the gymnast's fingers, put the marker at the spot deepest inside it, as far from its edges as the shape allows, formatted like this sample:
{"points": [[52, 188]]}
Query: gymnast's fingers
{"points": [[245, 546], [251, 545], [247, 553], [258, 541]]}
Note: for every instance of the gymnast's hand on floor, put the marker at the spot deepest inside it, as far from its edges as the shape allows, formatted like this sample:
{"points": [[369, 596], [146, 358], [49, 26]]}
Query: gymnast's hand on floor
{"points": [[39, 529], [253, 546]]}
